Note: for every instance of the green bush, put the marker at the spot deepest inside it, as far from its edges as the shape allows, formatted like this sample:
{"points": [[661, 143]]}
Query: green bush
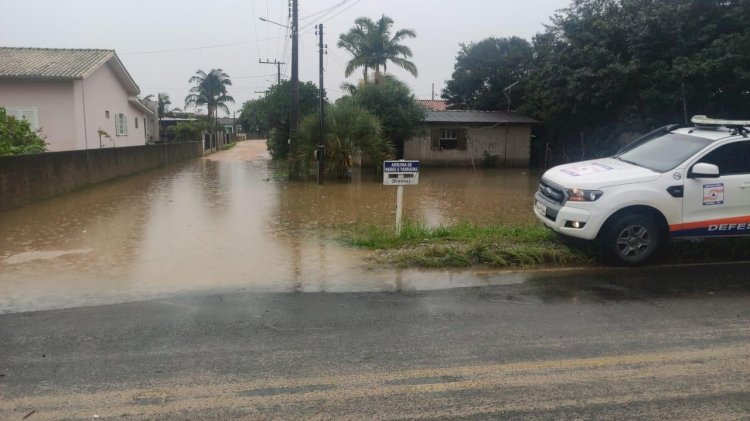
{"points": [[350, 132], [16, 136], [190, 130]]}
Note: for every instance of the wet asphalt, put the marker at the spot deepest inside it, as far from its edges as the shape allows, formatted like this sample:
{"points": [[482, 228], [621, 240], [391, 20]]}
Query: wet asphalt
{"points": [[654, 343]]}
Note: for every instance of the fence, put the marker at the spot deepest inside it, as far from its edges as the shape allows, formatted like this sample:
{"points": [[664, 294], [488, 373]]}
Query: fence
{"points": [[213, 142], [28, 178]]}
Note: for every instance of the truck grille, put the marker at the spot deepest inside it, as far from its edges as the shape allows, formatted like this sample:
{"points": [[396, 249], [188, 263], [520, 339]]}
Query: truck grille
{"points": [[551, 192]]}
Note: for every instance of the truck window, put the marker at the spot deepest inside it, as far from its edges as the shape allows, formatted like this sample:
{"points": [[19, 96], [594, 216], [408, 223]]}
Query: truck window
{"points": [[733, 158], [666, 152]]}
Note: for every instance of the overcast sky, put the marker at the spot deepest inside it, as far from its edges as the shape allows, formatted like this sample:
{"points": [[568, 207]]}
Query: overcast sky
{"points": [[163, 42]]}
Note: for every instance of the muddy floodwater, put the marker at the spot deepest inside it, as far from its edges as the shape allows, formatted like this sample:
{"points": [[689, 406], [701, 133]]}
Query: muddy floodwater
{"points": [[224, 222]]}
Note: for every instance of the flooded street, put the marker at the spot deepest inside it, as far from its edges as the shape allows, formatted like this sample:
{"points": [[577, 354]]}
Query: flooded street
{"points": [[223, 222]]}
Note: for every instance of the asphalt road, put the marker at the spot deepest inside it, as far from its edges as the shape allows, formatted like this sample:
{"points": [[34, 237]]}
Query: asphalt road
{"points": [[661, 343]]}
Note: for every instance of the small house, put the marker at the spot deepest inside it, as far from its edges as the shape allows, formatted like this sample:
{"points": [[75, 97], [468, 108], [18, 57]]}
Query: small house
{"points": [[72, 96], [466, 138]]}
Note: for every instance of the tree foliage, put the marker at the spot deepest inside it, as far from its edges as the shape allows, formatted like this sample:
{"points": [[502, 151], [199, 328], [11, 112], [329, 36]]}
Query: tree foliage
{"points": [[484, 69], [16, 136], [604, 70], [189, 131], [372, 46], [210, 90], [393, 103], [269, 115], [351, 132]]}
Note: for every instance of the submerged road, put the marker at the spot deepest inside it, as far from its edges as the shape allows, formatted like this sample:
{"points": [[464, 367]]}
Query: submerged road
{"points": [[647, 344]]}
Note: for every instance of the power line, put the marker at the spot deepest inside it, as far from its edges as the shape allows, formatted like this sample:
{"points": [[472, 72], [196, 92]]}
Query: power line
{"points": [[255, 23], [228, 44], [340, 12], [323, 11], [310, 24], [253, 76]]}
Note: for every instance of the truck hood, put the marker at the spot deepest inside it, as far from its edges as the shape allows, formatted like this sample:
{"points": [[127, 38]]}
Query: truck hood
{"points": [[598, 173]]}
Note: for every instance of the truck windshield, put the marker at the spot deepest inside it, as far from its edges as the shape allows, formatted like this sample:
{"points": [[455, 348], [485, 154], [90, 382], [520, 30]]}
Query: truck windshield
{"points": [[664, 153]]}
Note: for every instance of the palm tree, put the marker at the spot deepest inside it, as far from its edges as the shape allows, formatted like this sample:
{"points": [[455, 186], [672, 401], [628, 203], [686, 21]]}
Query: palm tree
{"points": [[372, 46], [351, 131], [162, 108], [210, 90]]}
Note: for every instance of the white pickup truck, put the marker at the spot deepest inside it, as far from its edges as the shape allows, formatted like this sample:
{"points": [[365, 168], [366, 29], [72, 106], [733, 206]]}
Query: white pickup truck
{"points": [[672, 183]]}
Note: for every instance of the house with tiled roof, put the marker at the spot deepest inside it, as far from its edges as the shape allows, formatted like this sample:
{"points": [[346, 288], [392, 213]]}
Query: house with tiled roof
{"points": [[433, 104], [472, 138], [73, 95]]}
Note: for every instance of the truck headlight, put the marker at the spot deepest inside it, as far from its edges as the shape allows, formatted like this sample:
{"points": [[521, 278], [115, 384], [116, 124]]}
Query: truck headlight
{"points": [[580, 195]]}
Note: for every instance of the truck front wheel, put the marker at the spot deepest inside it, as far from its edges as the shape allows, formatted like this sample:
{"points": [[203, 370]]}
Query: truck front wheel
{"points": [[631, 240]]}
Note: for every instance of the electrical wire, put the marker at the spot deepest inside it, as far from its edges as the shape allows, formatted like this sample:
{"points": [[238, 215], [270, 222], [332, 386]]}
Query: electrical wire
{"points": [[340, 12], [176, 50], [323, 11]]}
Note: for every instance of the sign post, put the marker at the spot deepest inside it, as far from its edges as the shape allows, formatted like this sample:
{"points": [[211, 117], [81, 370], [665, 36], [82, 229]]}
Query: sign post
{"points": [[400, 173]]}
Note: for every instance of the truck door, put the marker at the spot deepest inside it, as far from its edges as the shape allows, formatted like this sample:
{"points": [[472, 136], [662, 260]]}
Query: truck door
{"points": [[719, 206]]}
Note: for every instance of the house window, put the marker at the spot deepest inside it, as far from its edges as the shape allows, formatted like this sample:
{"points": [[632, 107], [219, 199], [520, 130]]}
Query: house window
{"points": [[121, 124], [25, 113], [448, 139], [106, 114], [136, 122]]}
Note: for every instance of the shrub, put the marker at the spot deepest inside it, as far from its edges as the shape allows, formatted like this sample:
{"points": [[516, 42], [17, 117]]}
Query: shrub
{"points": [[16, 136]]}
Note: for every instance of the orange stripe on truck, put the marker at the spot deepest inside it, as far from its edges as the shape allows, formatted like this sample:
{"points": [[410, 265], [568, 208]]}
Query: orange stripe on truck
{"points": [[706, 224]]}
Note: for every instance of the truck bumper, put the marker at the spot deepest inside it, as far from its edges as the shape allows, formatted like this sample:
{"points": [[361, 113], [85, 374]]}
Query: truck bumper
{"points": [[567, 220]]}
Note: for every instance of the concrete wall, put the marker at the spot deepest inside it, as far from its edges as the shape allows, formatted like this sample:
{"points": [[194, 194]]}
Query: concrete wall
{"points": [[479, 140], [103, 91], [28, 178], [55, 107]]}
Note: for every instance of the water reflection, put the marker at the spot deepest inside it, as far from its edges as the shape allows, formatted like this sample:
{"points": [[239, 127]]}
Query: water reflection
{"points": [[221, 222]]}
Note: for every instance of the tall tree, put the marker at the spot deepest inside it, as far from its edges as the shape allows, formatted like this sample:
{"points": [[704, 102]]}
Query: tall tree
{"points": [[393, 103], [269, 115], [484, 69], [210, 89], [372, 45], [605, 69]]}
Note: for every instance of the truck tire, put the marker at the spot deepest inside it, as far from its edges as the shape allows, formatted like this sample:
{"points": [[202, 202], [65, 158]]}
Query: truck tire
{"points": [[632, 240]]}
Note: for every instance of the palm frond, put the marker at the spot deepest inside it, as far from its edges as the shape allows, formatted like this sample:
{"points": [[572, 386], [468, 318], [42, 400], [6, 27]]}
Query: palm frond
{"points": [[406, 65]]}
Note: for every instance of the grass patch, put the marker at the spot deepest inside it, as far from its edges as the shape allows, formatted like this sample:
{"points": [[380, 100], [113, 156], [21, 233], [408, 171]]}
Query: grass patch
{"points": [[465, 245], [228, 146], [503, 246]]}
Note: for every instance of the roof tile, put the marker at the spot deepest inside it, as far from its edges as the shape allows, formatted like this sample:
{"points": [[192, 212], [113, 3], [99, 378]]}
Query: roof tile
{"points": [[50, 63]]}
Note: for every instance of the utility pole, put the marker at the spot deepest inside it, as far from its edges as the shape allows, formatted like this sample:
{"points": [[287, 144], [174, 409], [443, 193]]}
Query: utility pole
{"points": [[294, 106], [433, 91], [506, 91], [278, 68], [321, 143]]}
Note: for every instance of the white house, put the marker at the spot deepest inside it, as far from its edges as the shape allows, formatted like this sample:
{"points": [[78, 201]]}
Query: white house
{"points": [[72, 94]]}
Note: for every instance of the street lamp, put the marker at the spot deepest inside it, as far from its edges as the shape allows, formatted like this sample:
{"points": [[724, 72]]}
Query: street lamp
{"points": [[275, 23]]}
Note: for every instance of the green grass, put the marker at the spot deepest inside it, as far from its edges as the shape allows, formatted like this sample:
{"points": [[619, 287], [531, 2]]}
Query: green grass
{"points": [[465, 245], [503, 246], [228, 146]]}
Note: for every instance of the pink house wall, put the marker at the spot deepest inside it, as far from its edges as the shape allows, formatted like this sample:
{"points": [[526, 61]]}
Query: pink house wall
{"points": [[70, 113], [102, 91], [55, 109]]}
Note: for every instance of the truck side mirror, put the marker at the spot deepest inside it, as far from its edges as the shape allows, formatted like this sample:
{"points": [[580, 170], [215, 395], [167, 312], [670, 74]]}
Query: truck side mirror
{"points": [[704, 170]]}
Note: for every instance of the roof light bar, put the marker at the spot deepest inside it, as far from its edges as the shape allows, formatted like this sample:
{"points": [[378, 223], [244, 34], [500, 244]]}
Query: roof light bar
{"points": [[702, 120]]}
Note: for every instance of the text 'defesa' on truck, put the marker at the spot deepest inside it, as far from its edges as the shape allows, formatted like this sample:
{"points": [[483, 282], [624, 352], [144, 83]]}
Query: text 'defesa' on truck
{"points": [[676, 182]]}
